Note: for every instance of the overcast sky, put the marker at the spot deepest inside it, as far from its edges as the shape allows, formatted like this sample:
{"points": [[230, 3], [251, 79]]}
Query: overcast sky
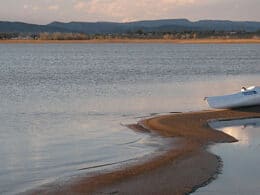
{"points": [[46, 11]]}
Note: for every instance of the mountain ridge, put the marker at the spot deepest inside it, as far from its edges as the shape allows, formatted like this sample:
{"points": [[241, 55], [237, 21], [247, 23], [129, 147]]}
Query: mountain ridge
{"points": [[103, 27]]}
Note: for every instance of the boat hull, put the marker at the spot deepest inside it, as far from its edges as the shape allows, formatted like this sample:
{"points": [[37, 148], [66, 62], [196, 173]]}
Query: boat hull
{"points": [[241, 99]]}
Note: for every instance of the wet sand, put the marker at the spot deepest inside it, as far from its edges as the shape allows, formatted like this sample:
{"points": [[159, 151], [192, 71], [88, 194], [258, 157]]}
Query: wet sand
{"points": [[181, 170], [101, 41]]}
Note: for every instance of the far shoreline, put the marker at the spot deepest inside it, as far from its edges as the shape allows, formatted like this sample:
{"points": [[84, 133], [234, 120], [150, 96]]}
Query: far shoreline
{"points": [[143, 41], [178, 171]]}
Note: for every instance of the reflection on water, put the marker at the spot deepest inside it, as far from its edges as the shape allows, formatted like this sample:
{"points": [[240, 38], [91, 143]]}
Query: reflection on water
{"points": [[62, 105], [241, 173], [241, 136], [238, 128], [40, 148]]}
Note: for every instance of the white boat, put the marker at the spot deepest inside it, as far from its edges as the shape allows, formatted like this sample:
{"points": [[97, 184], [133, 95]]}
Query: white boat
{"points": [[246, 97]]}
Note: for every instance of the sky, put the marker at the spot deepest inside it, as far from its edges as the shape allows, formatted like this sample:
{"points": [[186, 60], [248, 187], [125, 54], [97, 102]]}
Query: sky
{"points": [[46, 11]]}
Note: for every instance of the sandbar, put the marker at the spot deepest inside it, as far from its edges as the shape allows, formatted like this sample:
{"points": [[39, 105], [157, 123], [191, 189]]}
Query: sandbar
{"points": [[180, 170]]}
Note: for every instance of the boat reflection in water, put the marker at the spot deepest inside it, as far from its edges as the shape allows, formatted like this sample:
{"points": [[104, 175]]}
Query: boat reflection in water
{"points": [[240, 173], [237, 128]]}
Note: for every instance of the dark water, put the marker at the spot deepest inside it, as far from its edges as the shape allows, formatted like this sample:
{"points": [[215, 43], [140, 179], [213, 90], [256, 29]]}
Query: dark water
{"points": [[63, 107]]}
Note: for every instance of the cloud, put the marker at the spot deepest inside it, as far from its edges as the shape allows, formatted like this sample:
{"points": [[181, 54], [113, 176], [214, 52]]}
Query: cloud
{"points": [[53, 7], [80, 5], [31, 7], [126, 10], [25, 6], [45, 11]]}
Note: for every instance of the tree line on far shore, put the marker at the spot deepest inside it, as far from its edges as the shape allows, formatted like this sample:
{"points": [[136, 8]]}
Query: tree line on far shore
{"points": [[140, 34]]}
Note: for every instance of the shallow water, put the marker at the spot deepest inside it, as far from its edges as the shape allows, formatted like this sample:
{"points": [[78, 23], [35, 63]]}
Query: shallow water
{"points": [[63, 107], [241, 173]]}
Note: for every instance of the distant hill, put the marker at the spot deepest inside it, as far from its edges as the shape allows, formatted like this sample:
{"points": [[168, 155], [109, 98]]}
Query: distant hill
{"points": [[225, 25], [169, 25], [20, 27]]}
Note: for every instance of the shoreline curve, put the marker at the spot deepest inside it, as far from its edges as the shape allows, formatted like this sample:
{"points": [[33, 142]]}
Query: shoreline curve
{"points": [[180, 170]]}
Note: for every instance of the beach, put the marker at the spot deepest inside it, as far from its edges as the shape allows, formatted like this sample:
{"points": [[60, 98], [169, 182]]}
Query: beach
{"points": [[178, 171], [102, 41]]}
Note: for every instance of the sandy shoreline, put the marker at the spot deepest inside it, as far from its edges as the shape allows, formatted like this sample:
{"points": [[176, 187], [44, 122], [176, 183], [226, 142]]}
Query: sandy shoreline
{"points": [[178, 171], [97, 41]]}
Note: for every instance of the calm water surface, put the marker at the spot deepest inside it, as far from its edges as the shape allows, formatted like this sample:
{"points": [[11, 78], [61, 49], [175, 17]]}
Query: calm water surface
{"points": [[63, 107], [241, 173]]}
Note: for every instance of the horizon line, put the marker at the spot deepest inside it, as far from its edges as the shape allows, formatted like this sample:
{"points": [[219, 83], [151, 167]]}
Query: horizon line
{"points": [[145, 20]]}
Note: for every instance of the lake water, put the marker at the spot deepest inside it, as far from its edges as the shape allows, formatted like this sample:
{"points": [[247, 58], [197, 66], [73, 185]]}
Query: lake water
{"points": [[241, 173], [64, 106]]}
